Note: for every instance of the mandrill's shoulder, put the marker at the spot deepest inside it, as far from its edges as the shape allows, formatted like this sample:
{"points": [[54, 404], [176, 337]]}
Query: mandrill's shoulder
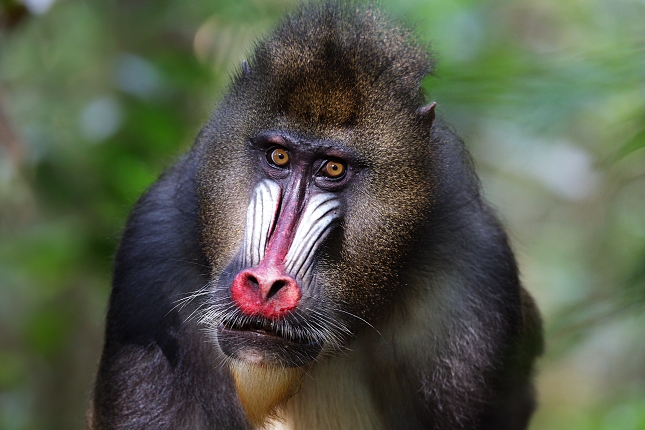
{"points": [[159, 257]]}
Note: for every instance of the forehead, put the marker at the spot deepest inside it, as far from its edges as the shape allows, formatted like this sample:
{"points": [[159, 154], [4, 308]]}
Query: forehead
{"points": [[331, 100]]}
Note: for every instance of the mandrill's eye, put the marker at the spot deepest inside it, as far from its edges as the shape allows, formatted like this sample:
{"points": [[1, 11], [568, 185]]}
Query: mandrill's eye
{"points": [[333, 169], [278, 157]]}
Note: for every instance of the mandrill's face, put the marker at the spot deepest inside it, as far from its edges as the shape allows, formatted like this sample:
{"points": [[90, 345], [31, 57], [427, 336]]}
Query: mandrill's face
{"points": [[270, 304], [316, 251]]}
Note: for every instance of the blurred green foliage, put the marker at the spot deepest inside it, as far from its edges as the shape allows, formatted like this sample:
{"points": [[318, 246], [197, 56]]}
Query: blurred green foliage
{"points": [[98, 97]]}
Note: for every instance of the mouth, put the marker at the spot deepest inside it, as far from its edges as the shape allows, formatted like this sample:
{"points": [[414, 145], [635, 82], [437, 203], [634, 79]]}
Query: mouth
{"points": [[264, 342]]}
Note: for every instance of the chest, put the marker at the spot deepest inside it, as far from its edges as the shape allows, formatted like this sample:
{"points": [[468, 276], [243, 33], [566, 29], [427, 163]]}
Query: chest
{"points": [[336, 394]]}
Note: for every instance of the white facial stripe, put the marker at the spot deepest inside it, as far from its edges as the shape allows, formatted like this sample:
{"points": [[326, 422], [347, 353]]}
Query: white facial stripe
{"points": [[298, 252], [259, 221], [315, 223]]}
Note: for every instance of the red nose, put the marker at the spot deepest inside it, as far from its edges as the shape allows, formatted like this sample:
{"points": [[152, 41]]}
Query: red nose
{"points": [[265, 291]]}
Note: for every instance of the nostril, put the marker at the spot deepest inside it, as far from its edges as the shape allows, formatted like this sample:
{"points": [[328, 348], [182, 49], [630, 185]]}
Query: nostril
{"points": [[253, 282], [277, 286]]}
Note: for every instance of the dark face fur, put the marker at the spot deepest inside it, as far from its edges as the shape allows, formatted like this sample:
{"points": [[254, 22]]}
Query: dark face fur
{"points": [[314, 183]]}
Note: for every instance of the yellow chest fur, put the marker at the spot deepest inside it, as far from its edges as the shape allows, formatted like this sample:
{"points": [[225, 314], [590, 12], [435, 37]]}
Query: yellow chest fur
{"points": [[334, 395]]}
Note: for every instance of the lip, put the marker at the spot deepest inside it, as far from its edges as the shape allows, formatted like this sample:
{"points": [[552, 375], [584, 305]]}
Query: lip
{"points": [[257, 344]]}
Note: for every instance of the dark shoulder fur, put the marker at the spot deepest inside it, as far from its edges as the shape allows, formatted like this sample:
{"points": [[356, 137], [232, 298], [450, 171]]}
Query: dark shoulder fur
{"points": [[157, 370]]}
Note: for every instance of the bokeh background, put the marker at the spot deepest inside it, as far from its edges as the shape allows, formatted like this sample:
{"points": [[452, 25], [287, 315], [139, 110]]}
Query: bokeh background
{"points": [[98, 97]]}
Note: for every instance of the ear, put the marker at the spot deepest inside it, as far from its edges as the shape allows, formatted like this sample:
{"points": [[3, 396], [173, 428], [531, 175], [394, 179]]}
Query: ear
{"points": [[426, 113]]}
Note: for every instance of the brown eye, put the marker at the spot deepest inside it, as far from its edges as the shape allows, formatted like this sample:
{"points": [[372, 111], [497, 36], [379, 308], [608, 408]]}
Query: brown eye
{"points": [[279, 157], [333, 169]]}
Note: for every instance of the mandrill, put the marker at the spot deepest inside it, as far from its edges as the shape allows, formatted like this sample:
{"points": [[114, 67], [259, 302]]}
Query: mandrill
{"points": [[322, 258]]}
